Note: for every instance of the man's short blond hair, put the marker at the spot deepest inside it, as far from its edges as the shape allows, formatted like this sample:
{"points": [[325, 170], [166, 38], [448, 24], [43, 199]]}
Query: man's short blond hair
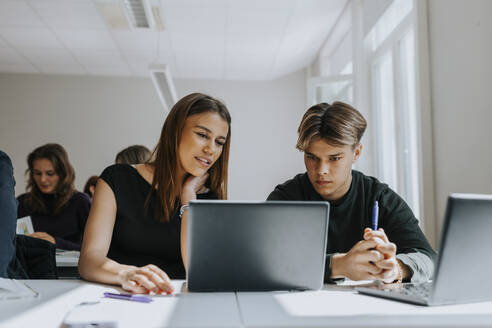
{"points": [[339, 124]]}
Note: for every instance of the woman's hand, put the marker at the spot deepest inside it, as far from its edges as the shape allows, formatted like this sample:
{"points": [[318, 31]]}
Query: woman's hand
{"points": [[143, 280], [388, 265], [44, 236], [191, 186]]}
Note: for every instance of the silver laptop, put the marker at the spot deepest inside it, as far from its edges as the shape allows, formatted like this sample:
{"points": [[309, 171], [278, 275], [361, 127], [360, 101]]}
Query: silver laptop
{"points": [[256, 246], [464, 264]]}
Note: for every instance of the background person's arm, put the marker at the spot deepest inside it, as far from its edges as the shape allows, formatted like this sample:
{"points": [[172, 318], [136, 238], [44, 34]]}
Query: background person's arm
{"points": [[8, 213], [94, 264]]}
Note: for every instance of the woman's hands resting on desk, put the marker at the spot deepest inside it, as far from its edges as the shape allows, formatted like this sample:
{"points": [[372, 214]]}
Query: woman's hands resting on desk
{"points": [[142, 280], [374, 257]]}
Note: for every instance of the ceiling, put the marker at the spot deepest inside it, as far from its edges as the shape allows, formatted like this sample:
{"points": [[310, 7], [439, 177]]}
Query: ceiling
{"points": [[201, 39]]}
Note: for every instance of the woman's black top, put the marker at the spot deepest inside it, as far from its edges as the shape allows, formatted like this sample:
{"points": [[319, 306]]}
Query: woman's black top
{"points": [[67, 227], [138, 237]]}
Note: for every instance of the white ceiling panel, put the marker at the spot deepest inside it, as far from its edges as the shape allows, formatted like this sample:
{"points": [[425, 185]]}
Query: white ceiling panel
{"points": [[67, 14], [3, 44], [110, 71], [52, 57], [10, 56], [185, 20], [262, 4], [39, 37], [99, 58], [244, 75], [209, 39], [136, 40], [199, 61], [139, 56], [18, 68], [165, 47], [194, 3], [18, 13], [86, 39], [62, 69], [202, 73]]}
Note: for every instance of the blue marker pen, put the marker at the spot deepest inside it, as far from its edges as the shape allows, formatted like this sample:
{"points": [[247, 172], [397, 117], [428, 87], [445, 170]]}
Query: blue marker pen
{"points": [[375, 215]]}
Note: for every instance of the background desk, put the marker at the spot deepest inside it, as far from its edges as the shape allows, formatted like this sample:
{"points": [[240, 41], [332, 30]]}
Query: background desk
{"points": [[67, 264], [331, 307]]}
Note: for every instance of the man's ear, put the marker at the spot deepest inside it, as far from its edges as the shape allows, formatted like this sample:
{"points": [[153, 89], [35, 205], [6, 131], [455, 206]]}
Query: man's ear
{"points": [[357, 152]]}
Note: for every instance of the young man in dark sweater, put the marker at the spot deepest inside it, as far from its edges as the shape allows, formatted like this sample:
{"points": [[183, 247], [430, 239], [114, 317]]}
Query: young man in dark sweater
{"points": [[329, 136]]}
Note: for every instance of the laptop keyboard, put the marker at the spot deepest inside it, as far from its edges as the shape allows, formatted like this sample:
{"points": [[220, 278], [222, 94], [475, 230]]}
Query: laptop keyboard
{"points": [[420, 291]]}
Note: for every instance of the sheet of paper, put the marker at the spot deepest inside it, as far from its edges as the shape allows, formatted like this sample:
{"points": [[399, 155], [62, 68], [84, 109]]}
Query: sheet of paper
{"points": [[24, 226], [14, 289]]}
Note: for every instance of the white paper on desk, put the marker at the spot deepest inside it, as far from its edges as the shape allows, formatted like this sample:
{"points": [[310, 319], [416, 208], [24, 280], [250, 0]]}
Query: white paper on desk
{"points": [[24, 226], [13, 289]]}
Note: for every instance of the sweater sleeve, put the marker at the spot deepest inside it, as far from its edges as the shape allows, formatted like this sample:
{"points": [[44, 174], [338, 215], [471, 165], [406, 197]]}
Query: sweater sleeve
{"points": [[402, 228], [8, 213]]}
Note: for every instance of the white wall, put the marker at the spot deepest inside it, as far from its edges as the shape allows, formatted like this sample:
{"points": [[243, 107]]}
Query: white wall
{"points": [[95, 117], [265, 117], [461, 79]]}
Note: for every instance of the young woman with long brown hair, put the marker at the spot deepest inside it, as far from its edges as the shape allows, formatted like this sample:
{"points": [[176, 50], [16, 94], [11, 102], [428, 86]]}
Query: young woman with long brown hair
{"points": [[136, 232], [58, 212]]}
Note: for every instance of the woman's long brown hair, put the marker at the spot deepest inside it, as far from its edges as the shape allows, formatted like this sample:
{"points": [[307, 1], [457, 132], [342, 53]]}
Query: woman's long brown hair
{"points": [[64, 190], [165, 158]]}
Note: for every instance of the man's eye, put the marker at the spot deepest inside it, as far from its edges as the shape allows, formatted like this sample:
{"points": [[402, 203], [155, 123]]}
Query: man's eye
{"points": [[336, 158]]}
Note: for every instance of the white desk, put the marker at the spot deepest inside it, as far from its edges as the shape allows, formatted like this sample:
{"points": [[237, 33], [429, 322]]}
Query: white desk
{"points": [[331, 307]]}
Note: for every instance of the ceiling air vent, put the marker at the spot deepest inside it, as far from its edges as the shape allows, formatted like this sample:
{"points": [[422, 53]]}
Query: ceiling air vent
{"points": [[139, 13]]}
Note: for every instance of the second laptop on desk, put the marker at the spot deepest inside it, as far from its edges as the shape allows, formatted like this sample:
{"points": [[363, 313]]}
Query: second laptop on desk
{"points": [[256, 246], [464, 265]]}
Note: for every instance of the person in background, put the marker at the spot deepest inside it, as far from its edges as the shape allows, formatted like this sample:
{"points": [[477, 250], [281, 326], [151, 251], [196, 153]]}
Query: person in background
{"points": [[329, 136], [136, 232], [136, 154], [58, 211], [90, 186], [8, 214]]}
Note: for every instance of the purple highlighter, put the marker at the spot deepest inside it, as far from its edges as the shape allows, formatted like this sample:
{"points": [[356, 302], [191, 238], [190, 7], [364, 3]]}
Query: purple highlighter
{"points": [[129, 297]]}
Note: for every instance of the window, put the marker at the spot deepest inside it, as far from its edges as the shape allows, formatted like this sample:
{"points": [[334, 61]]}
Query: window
{"points": [[390, 47]]}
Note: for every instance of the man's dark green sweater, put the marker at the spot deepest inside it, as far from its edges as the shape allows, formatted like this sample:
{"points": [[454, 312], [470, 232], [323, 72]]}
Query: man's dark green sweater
{"points": [[352, 213]]}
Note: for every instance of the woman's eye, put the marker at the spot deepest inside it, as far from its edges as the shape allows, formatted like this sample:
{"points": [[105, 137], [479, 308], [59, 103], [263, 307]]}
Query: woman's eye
{"points": [[202, 135], [220, 143], [336, 158]]}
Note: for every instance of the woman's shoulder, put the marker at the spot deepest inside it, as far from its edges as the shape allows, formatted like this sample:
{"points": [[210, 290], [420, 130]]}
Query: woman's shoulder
{"points": [[117, 169], [80, 197]]}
